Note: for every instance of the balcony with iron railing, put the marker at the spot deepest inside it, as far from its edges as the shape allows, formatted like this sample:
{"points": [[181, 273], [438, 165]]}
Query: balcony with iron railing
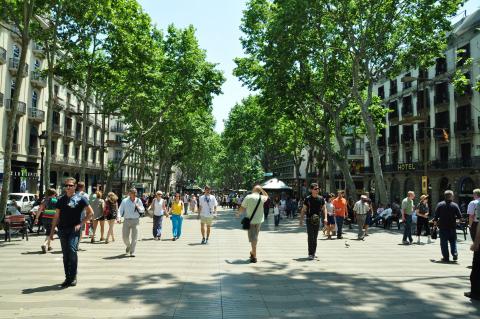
{"points": [[421, 133], [69, 133], [441, 100], [117, 129], [16, 34], [407, 138], [3, 56], [58, 103], [21, 109], [393, 114], [36, 115], [33, 151], [13, 65], [407, 111], [38, 80], [57, 130], [393, 140], [464, 127], [38, 50]]}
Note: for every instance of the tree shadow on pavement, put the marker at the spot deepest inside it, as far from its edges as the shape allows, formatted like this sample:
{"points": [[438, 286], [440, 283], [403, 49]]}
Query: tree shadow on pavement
{"points": [[270, 289]]}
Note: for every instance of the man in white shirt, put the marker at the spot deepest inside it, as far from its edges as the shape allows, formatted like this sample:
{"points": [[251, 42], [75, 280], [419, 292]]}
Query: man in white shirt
{"points": [[130, 209], [207, 210], [361, 209], [473, 210]]}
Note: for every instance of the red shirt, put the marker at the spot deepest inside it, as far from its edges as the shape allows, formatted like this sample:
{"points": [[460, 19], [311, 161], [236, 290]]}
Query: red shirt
{"points": [[340, 206]]}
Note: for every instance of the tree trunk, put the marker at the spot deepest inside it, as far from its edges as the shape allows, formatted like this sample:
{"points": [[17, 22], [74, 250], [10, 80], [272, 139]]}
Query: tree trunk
{"points": [[12, 116], [48, 142], [342, 159], [371, 132]]}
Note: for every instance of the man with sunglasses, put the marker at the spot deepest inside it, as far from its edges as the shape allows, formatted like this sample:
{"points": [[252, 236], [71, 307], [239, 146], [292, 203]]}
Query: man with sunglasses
{"points": [[315, 210], [68, 218], [208, 209]]}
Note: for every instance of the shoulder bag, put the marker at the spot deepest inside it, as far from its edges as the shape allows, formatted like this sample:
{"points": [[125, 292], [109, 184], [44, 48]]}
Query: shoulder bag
{"points": [[246, 221]]}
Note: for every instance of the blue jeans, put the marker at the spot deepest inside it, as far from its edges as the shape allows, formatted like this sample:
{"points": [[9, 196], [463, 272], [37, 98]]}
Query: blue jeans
{"points": [[407, 232], [157, 226], [448, 236], [339, 220], [176, 225], [69, 240], [276, 218]]}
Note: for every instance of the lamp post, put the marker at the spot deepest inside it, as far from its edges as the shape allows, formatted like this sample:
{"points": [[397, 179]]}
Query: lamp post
{"points": [[42, 138]]}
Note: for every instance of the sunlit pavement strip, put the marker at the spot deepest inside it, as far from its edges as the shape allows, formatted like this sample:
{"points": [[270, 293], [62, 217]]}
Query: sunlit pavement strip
{"points": [[377, 278]]}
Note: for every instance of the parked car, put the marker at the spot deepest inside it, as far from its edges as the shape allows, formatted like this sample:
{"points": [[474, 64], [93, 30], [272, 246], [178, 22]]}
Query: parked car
{"points": [[24, 200]]}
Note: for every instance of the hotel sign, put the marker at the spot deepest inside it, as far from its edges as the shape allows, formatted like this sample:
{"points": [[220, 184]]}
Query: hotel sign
{"points": [[406, 167]]}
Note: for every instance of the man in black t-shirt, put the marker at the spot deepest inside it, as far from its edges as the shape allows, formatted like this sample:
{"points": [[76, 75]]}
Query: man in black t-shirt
{"points": [[315, 210], [68, 219]]}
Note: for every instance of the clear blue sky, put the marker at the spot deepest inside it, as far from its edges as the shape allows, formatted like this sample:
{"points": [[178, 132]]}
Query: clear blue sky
{"points": [[217, 23]]}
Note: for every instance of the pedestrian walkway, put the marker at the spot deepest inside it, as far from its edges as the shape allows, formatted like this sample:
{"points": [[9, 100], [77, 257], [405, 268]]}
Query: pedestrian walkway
{"points": [[375, 278]]}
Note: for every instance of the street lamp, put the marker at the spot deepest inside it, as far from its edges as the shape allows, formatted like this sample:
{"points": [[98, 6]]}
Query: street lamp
{"points": [[43, 137]]}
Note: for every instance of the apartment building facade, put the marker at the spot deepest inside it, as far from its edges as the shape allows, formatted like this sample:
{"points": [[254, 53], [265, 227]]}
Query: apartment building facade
{"points": [[430, 127], [67, 126]]}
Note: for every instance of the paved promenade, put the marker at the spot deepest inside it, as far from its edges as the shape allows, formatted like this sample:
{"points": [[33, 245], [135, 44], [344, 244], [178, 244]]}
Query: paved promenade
{"points": [[377, 278]]}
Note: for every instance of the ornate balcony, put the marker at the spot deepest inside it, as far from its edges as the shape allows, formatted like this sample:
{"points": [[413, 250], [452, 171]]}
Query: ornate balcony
{"points": [[38, 80], [38, 51], [36, 115], [21, 109], [57, 130], [13, 65]]}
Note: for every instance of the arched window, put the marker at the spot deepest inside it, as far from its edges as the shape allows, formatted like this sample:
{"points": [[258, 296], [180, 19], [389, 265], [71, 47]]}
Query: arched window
{"points": [[34, 99], [16, 52]]}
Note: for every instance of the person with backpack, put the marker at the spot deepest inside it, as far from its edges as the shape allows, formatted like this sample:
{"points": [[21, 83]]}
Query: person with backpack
{"points": [[314, 209], [131, 209], [46, 213], [159, 208], [253, 205]]}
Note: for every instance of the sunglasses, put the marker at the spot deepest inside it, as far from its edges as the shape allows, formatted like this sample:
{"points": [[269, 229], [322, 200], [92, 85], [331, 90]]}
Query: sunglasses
{"points": [[69, 185]]}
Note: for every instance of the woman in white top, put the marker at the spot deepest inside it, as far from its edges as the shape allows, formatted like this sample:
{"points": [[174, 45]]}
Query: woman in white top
{"points": [[330, 215], [193, 204], [159, 210]]}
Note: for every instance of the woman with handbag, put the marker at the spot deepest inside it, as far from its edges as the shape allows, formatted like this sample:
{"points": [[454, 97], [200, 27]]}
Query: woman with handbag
{"points": [[98, 217], [110, 213]]}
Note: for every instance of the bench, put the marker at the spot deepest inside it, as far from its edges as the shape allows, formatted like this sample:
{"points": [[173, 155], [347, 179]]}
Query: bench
{"points": [[16, 223]]}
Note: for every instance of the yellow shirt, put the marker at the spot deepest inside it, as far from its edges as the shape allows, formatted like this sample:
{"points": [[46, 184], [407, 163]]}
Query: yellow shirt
{"points": [[177, 208]]}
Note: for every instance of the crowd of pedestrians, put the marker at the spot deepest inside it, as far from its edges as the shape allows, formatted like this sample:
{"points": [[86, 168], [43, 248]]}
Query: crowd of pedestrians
{"points": [[67, 215]]}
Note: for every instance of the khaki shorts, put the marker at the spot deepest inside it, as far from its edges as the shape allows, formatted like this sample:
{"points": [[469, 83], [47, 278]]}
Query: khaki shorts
{"points": [[206, 220], [253, 232]]}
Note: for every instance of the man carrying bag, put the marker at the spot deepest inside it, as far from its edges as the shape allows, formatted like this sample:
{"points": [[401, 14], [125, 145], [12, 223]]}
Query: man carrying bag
{"points": [[253, 205]]}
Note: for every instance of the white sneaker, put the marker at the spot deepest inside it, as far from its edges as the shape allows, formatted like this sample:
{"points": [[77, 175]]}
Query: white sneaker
{"points": [[429, 241]]}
